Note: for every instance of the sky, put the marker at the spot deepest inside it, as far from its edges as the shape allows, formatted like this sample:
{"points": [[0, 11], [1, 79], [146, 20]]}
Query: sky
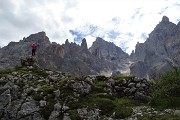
{"points": [[123, 22]]}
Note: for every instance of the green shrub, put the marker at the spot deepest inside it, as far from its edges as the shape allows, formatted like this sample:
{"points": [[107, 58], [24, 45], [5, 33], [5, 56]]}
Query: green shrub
{"points": [[166, 91], [101, 78], [123, 107], [46, 111], [122, 112], [36, 96], [47, 89], [74, 115], [105, 105]]}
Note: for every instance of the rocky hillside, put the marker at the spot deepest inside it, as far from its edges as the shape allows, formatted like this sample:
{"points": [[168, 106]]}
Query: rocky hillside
{"points": [[160, 52], [30, 93]]}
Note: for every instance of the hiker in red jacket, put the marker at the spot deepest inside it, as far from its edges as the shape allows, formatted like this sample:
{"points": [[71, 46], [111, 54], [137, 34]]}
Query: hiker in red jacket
{"points": [[33, 46]]}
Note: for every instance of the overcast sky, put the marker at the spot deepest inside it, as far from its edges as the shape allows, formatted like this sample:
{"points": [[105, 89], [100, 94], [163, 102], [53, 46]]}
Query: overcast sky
{"points": [[123, 22]]}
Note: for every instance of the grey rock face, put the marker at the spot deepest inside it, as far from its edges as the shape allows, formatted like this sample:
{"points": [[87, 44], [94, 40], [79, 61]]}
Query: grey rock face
{"points": [[11, 53], [88, 114], [116, 57], [159, 53], [139, 69], [69, 57], [29, 61], [107, 50], [81, 87]]}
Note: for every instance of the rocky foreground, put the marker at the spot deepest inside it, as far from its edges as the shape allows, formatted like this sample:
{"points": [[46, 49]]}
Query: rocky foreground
{"points": [[31, 93]]}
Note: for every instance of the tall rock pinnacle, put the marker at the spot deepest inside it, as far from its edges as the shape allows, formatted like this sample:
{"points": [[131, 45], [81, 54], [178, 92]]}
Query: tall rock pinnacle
{"points": [[165, 19], [84, 44]]}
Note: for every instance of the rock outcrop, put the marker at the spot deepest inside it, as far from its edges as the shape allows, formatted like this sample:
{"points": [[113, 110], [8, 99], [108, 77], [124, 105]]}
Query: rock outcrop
{"points": [[29, 61]]}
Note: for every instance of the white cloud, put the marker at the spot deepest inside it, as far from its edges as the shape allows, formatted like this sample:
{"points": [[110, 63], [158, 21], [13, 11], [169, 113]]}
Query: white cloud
{"points": [[127, 20], [90, 39]]}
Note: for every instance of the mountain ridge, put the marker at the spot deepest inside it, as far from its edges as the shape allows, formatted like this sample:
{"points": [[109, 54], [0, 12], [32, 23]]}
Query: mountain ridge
{"points": [[160, 52], [69, 57]]}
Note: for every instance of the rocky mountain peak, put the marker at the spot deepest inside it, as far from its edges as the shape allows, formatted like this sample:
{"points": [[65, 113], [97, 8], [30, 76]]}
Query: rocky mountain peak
{"points": [[67, 42], [39, 38], [162, 31], [165, 19], [160, 51], [84, 44]]}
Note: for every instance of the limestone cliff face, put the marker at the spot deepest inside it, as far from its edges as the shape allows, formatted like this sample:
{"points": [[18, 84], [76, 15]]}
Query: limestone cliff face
{"points": [[161, 50], [107, 50], [111, 53]]}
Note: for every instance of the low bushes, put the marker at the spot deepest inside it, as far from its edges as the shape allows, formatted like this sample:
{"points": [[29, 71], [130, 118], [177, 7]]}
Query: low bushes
{"points": [[166, 91]]}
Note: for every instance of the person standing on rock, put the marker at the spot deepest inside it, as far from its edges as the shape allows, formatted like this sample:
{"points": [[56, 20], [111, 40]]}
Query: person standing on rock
{"points": [[33, 46]]}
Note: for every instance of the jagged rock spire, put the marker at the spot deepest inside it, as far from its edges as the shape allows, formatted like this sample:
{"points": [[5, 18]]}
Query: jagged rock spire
{"points": [[67, 41], [84, 44], [165, 19]]}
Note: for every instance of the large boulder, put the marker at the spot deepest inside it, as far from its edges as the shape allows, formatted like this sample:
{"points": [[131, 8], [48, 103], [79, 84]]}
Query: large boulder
{"points": [[29, 61]]}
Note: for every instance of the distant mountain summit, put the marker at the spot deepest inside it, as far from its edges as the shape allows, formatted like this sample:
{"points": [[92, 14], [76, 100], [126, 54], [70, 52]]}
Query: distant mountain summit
{"points": [[160, 52], [107, 50]]}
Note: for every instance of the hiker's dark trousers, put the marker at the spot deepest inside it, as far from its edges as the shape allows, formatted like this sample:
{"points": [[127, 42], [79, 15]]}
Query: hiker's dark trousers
{"points": [[33, 52]]}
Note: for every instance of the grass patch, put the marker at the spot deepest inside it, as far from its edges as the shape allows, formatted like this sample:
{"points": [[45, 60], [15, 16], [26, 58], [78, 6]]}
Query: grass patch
{"points": [[122, 112], [123, 107], [47, 89], [46, 111], [4, 73], [123, 77], [99, 86], [35, 70], [74, 115], [124, 102], [105, 105]]}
